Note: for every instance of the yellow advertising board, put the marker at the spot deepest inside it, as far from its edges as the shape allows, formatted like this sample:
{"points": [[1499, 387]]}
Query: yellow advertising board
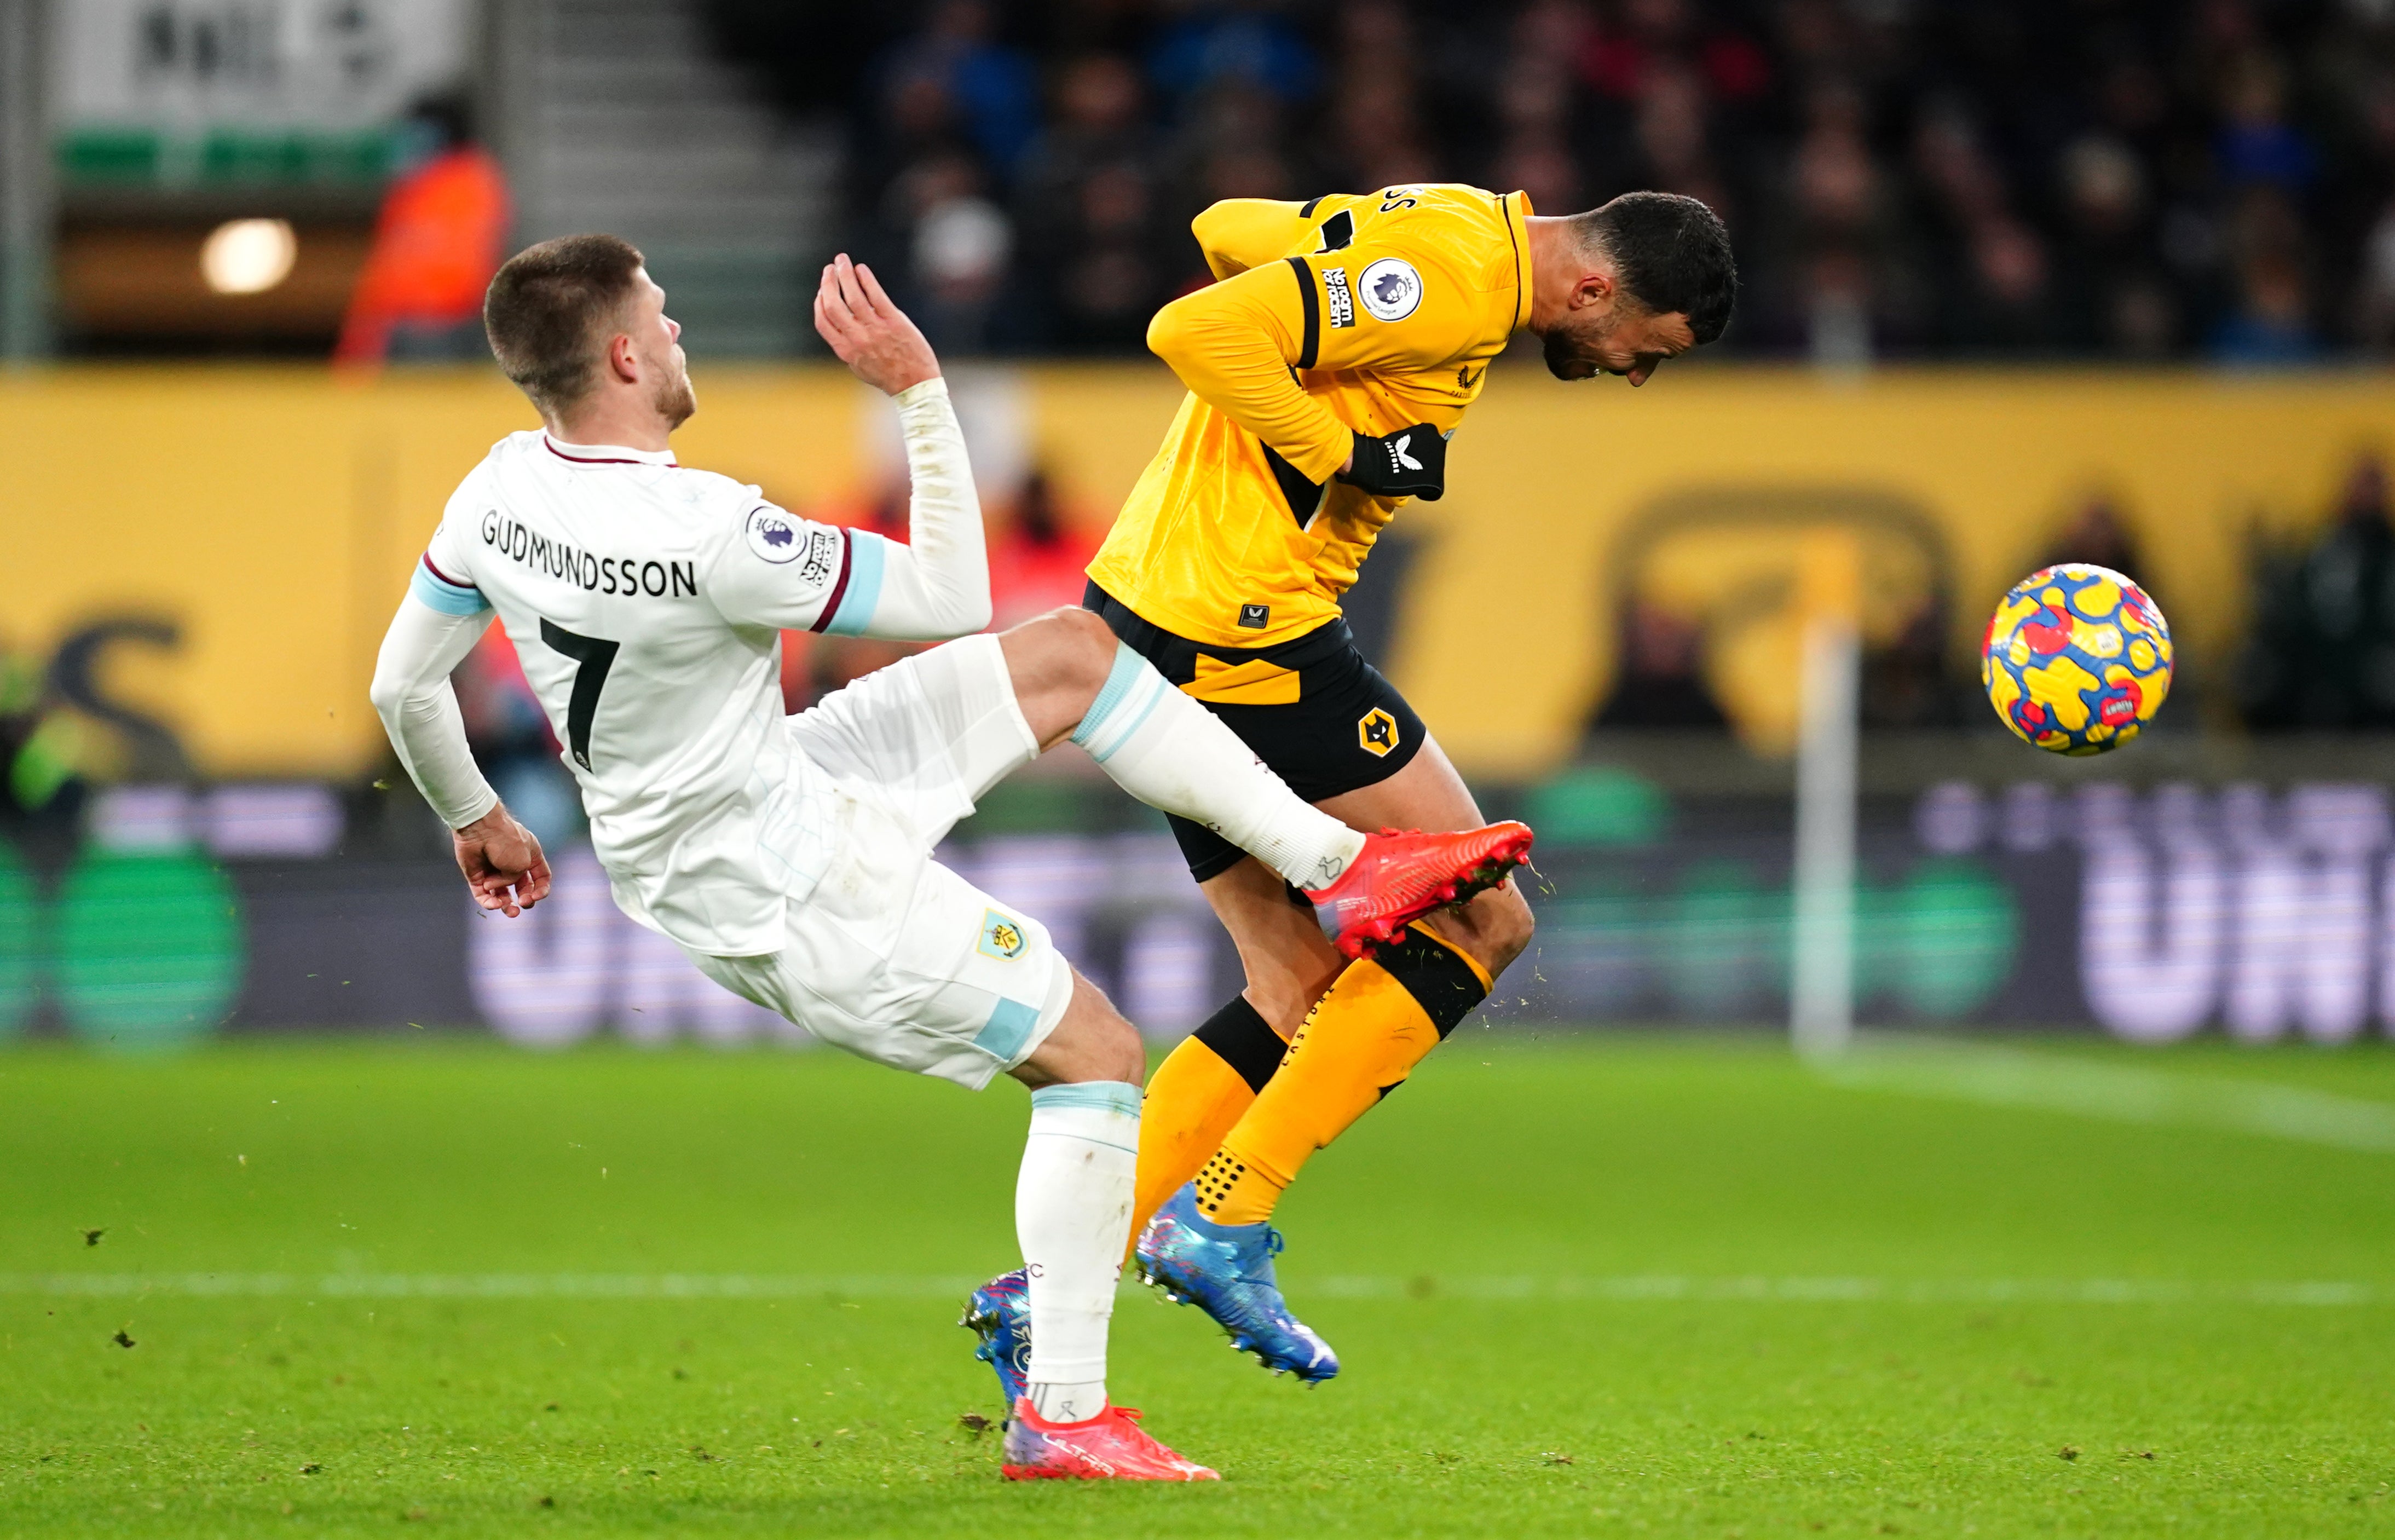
{"points": [[268, 518]]}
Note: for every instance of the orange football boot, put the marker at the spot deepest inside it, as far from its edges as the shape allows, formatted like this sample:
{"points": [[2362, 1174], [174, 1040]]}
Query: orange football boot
{"points": [[1402, 876], [1109, 1447]]}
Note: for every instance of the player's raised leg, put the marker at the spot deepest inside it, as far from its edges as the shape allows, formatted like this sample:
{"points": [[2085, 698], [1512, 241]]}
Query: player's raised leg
{"points": [[1072, 1216], [1074, 680], [1211, 1241]]}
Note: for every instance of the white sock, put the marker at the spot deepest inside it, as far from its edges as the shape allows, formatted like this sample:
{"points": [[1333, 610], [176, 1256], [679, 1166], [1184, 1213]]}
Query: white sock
{"points": [[1171, 752], [1072, 1214]]}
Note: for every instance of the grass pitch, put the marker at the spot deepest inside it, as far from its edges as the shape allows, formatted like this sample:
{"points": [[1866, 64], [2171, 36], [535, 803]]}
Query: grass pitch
{"points": [[1670, 1287]]}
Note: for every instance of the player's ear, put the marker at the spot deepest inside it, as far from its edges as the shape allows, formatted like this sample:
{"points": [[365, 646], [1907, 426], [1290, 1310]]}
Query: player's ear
{"points": [[1596, 288], [623, 359]]}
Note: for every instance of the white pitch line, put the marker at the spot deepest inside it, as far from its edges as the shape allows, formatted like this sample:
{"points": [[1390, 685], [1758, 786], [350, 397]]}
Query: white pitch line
{"points": [[1628, 1289], [2116, 1092]]}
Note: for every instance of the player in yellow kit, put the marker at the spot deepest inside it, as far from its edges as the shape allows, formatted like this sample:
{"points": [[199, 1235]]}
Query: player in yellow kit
{"points": [[1339, 346]]}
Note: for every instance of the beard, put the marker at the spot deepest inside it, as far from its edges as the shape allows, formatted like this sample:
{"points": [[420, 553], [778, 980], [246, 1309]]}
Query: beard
{"points": [[1565, 360], [675, 401]]}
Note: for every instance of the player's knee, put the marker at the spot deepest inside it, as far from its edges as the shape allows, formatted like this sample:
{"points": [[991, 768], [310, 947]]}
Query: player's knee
{"points": [[1502, 925], [1128, 1054], [1110, 1050], [1088, 643], [1074, 650], [1284, 1002]]}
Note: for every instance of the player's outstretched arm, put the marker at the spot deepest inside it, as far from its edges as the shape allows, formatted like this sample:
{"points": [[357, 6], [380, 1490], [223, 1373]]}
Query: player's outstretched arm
{"points": [[937, 585], [501, 860]]}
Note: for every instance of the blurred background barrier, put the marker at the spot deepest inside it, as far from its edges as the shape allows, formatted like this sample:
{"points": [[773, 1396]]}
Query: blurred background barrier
{"points": [[1601, 558], [2150, 913]]}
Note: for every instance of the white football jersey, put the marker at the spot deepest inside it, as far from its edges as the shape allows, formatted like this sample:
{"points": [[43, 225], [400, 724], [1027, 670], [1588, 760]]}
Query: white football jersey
{"points": [[646, 601]]}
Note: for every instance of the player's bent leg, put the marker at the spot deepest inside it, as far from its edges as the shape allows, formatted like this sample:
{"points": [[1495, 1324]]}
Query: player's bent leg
{"points": [[1073, 680], [1206, 1084], [1091, 1042], [1058, 663], [1286, 958], [1359, 1042], [1091, 1046], [1072, 1199], [1044, 1327], [1494, 928]]}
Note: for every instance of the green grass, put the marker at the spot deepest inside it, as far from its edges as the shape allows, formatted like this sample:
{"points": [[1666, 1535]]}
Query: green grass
{"points": [[1675, 1287]]}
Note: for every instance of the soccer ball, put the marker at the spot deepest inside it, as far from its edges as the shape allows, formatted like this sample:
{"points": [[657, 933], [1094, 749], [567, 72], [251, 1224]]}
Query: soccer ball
{"points": [[2077, 658]]}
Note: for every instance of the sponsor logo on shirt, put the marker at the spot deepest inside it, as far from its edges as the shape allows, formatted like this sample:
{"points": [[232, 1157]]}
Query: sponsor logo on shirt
{"points": [[823, 557], [1391, 289], [1255, 616], [1002, 936], [1342, 299], [633, 576]]}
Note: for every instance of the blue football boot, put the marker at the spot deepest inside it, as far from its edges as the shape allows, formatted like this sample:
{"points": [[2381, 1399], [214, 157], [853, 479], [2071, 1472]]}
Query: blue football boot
{"points": [[1226, 1271], [999, 1312]]}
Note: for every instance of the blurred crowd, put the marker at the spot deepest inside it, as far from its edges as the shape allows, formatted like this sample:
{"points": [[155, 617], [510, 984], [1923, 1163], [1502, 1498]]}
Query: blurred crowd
{"points": [[2136, 179]]}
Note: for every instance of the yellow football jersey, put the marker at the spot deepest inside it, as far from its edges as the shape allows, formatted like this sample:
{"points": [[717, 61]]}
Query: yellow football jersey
{"points": [[1365, 313]]}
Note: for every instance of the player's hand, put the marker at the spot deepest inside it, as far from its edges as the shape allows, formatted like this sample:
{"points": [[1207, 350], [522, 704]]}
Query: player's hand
{"points": [[502, 862], [1411, 462], [872, 336]]}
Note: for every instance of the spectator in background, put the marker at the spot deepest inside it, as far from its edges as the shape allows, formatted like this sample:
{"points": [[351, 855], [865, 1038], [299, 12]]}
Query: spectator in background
{"points": [[1661, 681], [2098, 534], [2137, 181], [1534, 103], [1250, 43], [994, 88], [2272, 325], [1375, 108], [1906, 685], [1991, 265], [2323, 653], [2111, 295], [958, 255], [1091, 209], [442, 233]]}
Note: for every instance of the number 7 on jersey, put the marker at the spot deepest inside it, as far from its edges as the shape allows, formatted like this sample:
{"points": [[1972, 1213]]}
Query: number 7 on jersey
{"points": [[595, 658]]}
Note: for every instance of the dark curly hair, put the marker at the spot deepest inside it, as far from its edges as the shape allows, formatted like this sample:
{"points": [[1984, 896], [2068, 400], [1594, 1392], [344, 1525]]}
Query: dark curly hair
{"points": [[1673, 255]]}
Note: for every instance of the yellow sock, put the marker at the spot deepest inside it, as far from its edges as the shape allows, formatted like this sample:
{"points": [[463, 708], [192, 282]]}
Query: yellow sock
{"points": [[1363, 1037], [1194, 1098]]}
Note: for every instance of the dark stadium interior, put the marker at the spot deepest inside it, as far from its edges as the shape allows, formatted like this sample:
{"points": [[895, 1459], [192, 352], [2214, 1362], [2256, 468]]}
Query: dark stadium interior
{"points": [[2103, 178]]}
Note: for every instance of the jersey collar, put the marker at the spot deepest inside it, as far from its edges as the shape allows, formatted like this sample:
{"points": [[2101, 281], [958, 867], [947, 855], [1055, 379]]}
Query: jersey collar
{"points": [[604, 454], [1517, 224]]}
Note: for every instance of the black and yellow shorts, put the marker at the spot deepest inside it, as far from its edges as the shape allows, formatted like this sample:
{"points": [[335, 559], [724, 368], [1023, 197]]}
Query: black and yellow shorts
{"points": [[1312, 709]]}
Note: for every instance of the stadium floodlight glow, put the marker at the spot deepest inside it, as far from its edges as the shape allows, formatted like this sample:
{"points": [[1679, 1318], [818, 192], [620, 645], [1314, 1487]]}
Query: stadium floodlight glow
{"points": [[249, 255]]}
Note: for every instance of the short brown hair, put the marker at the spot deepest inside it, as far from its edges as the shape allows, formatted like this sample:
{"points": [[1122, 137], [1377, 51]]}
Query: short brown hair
{"points": [[545, 308]]}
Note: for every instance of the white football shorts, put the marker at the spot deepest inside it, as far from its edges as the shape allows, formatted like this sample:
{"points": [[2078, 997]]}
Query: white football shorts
{"points": [[893, 957]]}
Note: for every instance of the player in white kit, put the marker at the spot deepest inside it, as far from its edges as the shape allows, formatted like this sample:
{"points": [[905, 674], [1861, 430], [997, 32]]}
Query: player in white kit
{"points": [[790, 856]]}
